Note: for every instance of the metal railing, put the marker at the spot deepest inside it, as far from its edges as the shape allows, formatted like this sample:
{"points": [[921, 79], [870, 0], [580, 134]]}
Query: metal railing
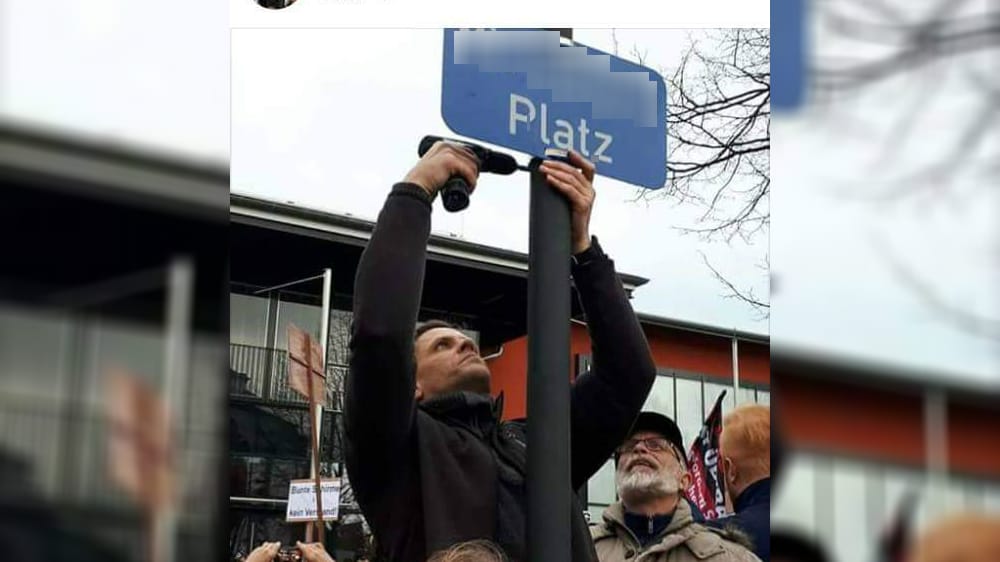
{"points": [[263, 373], [35, 432]]}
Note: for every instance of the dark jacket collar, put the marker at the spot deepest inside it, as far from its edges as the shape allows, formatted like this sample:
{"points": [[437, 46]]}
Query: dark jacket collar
{"points": [[470, 409], [646, 528], [755, 494]]}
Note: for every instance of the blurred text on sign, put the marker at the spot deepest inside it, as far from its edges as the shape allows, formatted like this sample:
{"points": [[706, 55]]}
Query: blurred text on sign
{"points": [[302, 500]]}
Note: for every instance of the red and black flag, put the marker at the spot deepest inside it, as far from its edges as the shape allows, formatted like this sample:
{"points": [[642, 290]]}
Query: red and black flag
{"points": [[894, 543], [708, 489]]}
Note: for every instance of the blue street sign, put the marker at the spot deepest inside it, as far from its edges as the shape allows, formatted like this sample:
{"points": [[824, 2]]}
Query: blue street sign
{"points": [[523, 90], [788, 54]]}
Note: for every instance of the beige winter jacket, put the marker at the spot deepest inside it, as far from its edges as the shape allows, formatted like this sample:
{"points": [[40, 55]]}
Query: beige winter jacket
{"points": [[682, 541]]}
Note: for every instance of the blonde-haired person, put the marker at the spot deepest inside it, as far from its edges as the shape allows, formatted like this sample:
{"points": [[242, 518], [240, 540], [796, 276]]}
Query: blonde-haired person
{"points": [[470, 551], [959, 538], [745, 450]]}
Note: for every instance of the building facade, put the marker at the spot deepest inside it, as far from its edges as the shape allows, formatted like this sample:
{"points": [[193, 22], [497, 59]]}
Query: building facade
{"points": [[277, 251], [115, 262], [865, 436]]}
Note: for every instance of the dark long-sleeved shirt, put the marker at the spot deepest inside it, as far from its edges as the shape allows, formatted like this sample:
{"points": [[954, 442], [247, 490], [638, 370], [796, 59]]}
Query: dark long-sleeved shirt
{"points": [[427, 476]]}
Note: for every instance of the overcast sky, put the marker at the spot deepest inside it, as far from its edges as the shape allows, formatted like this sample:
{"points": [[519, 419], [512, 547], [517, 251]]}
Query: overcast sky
{"points": [[329, 119]]}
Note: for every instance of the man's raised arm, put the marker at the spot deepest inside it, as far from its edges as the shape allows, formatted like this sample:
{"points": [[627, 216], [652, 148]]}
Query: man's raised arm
{"points": [[607, 399], [379, 404]]}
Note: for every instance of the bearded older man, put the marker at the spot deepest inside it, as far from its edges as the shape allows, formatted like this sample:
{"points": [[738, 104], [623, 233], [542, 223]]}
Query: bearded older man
{"points": [[652, 522]]}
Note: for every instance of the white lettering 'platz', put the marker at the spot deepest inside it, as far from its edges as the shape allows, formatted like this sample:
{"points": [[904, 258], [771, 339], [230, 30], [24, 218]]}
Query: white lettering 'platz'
{"points": [[522, 110]]}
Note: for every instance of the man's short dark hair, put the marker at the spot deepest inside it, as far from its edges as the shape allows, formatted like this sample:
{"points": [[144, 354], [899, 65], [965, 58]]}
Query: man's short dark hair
{"points": [[429, 325]]}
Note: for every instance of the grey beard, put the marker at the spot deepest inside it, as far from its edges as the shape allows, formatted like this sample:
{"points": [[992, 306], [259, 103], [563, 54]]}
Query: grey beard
{"points": [[642, 485]]}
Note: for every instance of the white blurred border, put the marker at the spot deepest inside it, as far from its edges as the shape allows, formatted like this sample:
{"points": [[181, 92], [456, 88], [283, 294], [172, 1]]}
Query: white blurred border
{"points": [[510, 13]]}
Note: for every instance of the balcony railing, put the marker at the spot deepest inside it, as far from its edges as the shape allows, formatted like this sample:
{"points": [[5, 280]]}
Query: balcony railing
{"points": [[263, 373], [59, 448]]}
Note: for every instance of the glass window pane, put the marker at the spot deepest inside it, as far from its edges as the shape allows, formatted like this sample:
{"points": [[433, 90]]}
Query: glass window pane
{"points": [[874, 496], [955, 496], [33, 348], [601, 486], [746, 396], [248, 320], [974, 492], [794, 507], [137, 348], [306, 317], [661, 397], [991, 499], [852, 535], [689, 409], [340, 336], [712, 392]]}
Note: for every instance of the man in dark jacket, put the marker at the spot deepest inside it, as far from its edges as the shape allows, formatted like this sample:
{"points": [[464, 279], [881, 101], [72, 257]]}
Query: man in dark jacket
{"points": [[430, 462], [745, 448]]}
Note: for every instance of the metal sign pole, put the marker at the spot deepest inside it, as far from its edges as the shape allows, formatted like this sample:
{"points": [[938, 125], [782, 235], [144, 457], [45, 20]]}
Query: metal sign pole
{"points": [[180, 296], [548, 486], [324, 335], [549, 494]]}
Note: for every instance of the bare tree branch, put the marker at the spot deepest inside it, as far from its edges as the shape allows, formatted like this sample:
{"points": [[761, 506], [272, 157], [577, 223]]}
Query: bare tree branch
{"points": [[937, 42], [969, 322], [719, 141], [718, 127], [898, 42], [747, 296]]}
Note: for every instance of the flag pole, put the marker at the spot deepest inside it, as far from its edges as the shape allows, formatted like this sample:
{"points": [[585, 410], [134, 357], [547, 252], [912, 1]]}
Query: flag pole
{"points": [[736, 369]]}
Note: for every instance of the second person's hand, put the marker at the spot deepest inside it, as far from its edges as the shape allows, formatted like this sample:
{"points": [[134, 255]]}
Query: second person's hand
{"points": [[314, 552], [264, 553]]}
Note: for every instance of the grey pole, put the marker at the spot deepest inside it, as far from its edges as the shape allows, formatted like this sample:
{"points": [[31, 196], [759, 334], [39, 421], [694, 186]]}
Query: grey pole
{"points": [[548, 486], [177, 370], [324, 336], [736, 369], [549, 493]]}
